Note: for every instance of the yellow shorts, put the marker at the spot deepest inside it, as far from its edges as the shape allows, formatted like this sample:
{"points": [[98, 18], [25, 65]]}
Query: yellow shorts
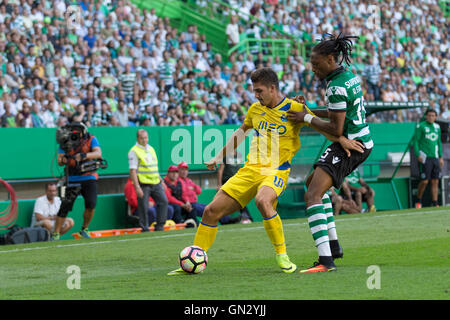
{"points": [[244, 185]]}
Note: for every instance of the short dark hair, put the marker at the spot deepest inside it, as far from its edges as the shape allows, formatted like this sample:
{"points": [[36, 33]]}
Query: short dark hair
{"points": [[265, 76], [48, 184], [430, 110]]}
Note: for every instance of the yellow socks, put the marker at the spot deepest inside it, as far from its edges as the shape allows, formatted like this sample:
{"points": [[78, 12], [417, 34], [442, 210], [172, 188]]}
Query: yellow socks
{"points": [[205, 236], [274, 229]]}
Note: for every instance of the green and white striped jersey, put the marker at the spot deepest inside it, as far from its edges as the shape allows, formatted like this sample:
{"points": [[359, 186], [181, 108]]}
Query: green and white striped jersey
{"points": [[344, 93]]}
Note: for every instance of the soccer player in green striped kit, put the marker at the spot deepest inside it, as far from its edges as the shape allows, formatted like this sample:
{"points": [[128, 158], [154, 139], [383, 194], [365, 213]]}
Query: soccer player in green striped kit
{"points": [[428, 150], [346, 114]]}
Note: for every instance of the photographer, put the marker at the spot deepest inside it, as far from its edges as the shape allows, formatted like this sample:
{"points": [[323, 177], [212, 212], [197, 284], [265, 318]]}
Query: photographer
{"points": [[78, 152]]}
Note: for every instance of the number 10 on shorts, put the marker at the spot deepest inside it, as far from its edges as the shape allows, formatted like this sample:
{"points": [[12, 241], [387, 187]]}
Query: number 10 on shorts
{"points": [[278, 182]]}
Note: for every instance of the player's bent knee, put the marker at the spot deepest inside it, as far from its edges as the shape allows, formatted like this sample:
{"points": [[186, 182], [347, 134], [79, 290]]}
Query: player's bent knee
{"points": [[263, 203], [308, 180], [312, 197], [70, 222], [47, 225], [211, 214]]}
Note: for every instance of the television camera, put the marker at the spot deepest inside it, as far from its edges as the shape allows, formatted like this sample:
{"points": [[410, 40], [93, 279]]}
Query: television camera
{"points": [[70, 138]]}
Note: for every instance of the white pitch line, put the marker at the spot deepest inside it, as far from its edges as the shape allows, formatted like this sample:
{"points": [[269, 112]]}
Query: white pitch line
{"points": [[230, 230]]}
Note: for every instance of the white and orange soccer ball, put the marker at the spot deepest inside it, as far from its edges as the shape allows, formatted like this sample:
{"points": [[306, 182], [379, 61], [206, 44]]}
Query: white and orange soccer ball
{"points": [[193, 259]]}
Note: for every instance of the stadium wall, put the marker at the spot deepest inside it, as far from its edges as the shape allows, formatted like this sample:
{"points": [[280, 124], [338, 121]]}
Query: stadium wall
{"points": [[31, 153]]}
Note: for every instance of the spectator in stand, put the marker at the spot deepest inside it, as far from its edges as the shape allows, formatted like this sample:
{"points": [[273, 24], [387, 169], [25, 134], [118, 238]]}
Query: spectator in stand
{"points": [[127, 81], [131, 198], [46, 208], [36, 117], [176, 193], [8, 119], [191, 190], [232, 31], [371, 73], [121, 114], [409, 46], [23, 118]]}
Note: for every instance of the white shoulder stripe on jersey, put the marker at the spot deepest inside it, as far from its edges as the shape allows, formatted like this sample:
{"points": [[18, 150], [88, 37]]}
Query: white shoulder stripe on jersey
{"points": [[363, 132], [338, 105], [369, 144], [332, 91]]}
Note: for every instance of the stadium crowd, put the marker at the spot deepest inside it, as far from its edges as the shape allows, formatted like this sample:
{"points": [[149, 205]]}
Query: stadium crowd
{"points": [[115, 65]]}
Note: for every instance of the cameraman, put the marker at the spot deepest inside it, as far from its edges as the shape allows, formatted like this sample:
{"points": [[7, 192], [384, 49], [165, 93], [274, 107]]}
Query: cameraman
{"points": [[84, 147]]}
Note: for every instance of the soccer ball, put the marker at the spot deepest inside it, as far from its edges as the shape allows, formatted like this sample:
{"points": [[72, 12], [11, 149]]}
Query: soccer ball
{"points": [[193, 259]]}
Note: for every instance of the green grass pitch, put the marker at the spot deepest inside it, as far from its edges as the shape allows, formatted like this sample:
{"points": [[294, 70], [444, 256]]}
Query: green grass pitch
{"points": [[411, 249]]}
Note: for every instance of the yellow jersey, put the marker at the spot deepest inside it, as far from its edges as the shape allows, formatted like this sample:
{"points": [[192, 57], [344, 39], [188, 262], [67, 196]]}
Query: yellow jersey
{"points": [[276, 139]]}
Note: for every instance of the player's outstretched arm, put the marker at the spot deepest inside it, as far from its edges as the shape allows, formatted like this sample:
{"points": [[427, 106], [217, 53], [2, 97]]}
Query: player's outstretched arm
{"points": [[233, 142], [322, 113], [346, 143], [333, 127]]}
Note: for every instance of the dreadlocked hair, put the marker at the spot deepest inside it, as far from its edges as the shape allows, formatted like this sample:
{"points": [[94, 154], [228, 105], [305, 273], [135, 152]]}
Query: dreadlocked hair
{"points": [[336, 46]]}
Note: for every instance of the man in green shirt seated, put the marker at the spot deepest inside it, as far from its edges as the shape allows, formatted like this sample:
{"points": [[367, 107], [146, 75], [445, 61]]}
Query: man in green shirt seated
{"points": [[361, 191]]}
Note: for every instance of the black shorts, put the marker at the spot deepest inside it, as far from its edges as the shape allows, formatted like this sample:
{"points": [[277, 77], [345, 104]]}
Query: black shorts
{"points": [[88, 189], [89, 192], [337, 164], [431, 169]]}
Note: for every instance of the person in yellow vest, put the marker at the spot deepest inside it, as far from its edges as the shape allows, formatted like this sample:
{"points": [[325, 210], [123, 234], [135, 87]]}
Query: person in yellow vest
{"points": [[144, 174]]}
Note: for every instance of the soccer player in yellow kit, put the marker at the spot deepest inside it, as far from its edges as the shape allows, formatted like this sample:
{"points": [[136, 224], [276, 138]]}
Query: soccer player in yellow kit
{"points": [[265, 173]]}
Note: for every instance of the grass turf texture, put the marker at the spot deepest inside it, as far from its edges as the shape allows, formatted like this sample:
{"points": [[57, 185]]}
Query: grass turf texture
{"points": [[411, 248]]}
